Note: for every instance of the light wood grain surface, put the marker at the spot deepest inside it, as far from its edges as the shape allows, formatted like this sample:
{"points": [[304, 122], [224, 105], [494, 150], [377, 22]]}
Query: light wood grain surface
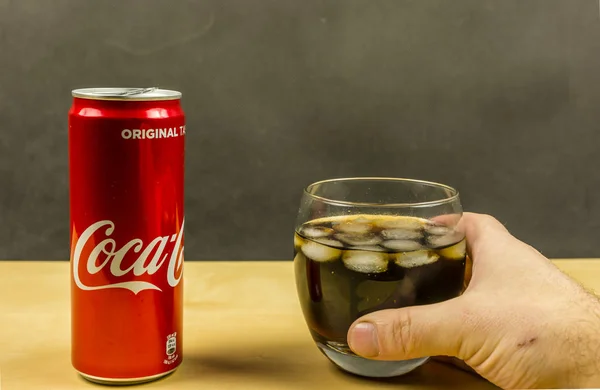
{"points": [[243, 330]]}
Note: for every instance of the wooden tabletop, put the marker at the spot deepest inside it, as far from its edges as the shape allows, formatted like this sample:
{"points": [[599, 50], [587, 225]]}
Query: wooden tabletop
{"points": [[243, 330]]}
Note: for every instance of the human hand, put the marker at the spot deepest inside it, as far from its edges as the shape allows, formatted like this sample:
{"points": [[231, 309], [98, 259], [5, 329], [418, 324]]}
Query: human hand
{"points": [[521, 322]]}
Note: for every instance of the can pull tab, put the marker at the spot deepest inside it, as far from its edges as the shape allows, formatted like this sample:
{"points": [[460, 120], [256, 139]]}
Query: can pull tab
{"points": [[126, 91], [138, 91]]}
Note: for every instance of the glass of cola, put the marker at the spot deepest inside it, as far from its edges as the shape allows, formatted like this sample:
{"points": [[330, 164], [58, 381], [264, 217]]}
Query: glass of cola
{"points": [[368, 244]]}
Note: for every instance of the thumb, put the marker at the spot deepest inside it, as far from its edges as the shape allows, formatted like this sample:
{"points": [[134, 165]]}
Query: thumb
{"points": [[411, 332]]}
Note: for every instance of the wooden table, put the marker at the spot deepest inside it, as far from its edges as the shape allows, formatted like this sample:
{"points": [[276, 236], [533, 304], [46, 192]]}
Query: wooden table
{"points": [[243, 330]]}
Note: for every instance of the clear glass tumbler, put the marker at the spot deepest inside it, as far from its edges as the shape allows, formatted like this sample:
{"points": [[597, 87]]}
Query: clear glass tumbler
{"points": [[368, 244]]}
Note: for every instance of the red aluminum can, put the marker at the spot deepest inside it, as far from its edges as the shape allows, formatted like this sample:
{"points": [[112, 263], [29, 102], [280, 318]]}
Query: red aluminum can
{"points": [[126, 166]]}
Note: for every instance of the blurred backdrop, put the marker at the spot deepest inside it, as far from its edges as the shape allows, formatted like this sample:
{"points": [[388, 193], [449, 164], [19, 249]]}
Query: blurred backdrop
{"points": [[499, 98]]}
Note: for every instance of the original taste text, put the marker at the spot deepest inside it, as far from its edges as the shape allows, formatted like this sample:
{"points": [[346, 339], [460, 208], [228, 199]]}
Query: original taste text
{"points": [[165, 132]]}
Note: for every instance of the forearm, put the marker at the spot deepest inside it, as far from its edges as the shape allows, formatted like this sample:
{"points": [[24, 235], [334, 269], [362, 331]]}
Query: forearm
{"points": [[584, 346]]}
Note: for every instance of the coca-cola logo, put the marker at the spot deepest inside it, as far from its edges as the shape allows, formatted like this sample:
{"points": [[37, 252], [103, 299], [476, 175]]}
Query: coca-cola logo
{"points": [[106, 255]]}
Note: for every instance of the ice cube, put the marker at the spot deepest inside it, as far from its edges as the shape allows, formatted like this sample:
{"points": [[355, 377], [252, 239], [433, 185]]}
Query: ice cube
{"points": [[355, 227], [437, 230], [455, 252], [402, 245], [319, 252], [358, 240], [316, 231], [299, 257], [330, 242], [446, 240], [372, 248], [400, 234], [298, 241], [365, 262], [415, 259], [405, 223]]}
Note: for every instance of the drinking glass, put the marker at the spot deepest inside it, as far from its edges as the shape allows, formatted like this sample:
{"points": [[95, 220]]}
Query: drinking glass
{"points": [[366, 244]]}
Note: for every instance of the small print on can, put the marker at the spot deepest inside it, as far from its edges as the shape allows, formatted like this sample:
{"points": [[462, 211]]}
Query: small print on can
{"points": [[126, 174]]}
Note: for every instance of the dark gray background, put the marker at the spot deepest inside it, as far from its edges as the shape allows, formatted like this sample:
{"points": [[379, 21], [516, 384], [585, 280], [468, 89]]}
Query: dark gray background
{"points": [[500, 98]]}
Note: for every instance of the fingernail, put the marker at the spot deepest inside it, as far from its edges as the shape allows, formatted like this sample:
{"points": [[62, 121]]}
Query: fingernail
{"points": [[363, 340]]}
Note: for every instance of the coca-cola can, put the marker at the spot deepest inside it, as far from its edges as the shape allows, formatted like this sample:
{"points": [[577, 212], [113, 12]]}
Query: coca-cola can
{"points": [[126, 166]]}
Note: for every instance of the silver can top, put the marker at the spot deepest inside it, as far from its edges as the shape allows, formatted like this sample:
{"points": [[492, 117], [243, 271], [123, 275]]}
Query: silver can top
{"points": [[130, 94]]}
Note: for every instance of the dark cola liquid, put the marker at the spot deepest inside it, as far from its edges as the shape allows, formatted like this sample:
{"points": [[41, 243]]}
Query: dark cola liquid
{"points": [[350, 266]]}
